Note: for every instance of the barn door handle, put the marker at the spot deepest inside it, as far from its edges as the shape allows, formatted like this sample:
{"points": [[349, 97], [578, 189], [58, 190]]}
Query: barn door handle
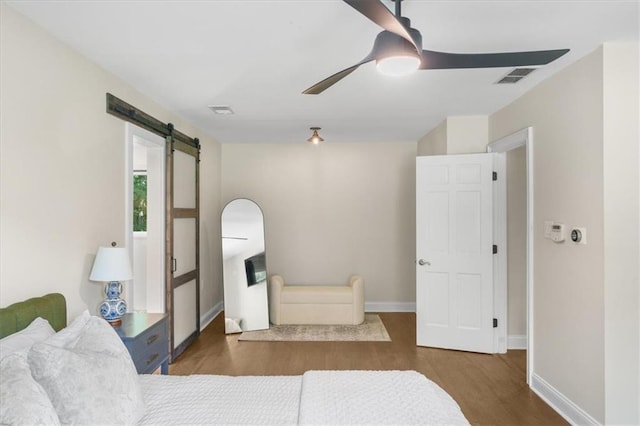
{"points": [[423, 262], [174, 266]]}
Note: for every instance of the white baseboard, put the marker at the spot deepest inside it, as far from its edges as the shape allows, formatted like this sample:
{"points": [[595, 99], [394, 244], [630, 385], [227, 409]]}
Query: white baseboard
{"points": [[389, 307], [516, 341], [210, 315], [563, 405]]}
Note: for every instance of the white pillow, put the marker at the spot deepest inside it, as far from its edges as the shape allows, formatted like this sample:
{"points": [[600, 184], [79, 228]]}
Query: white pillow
{"points": [[23, 401], [232, 325], [70, 334], [38, 331], [89, 377]]}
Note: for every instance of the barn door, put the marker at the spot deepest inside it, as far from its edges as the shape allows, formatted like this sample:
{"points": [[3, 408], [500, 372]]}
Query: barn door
{"points": [[183, 226]]}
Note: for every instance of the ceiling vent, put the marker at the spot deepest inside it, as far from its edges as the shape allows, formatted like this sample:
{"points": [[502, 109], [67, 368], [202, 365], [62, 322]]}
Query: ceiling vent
{"points": [[516, 75], [221, 109]]}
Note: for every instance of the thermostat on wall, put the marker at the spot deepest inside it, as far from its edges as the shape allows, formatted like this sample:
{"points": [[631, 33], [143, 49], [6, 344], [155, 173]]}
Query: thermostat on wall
{"points": [[579, 235], [554, 231]]}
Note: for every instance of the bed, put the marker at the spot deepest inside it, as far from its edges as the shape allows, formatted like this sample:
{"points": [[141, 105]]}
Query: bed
{"points": [[82, 374]]}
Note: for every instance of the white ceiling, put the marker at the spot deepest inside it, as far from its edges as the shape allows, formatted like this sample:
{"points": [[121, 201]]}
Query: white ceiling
{"points": [[258, 56]]}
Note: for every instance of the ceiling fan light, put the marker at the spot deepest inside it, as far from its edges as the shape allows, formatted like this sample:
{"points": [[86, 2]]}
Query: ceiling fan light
{"points": [[399, 65]]}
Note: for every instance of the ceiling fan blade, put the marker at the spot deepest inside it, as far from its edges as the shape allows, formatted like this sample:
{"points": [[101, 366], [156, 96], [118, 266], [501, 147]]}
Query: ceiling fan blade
{"points": [[441, 60], [330, 81], [379, 14]]}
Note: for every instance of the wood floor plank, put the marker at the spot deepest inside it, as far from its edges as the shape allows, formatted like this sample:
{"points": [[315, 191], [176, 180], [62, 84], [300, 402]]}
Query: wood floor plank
{"points": [[490, 389]]}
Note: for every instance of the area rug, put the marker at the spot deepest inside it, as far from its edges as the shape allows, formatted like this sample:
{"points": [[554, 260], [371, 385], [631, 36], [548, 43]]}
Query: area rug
{"points": [[371, 330]]}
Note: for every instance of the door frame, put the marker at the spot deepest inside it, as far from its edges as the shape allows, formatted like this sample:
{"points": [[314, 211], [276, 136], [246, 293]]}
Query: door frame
{"points": [[523, 137], [132, 132]]}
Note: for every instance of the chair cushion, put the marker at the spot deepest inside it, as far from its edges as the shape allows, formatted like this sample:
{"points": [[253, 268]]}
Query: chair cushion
{"points": [[316, 294]]}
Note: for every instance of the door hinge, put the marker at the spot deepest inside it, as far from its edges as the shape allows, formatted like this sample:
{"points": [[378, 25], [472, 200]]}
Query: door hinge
{"points": [[494, 176], [495, 249], [495, 323]]}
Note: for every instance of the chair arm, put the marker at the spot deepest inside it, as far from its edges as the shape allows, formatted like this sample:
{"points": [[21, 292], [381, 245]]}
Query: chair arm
{"points": [[357, 287], [276, 283]]}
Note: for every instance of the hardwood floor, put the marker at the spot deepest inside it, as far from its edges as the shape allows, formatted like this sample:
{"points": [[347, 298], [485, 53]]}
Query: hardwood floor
{"points": [[490, 389]]}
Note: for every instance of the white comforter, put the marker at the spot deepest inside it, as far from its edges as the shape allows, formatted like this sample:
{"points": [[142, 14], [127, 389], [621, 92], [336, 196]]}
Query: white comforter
{"points": [[208, 399], [380, 397], [317, 397]]}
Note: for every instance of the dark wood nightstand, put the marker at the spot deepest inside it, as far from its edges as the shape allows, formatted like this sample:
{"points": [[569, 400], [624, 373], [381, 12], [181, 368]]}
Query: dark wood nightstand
{"points": [[146, 337]]}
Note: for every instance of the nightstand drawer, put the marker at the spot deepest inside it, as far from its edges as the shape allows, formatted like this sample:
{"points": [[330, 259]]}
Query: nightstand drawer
{"points": [[157, 334], [150, 348], [146, 337]]}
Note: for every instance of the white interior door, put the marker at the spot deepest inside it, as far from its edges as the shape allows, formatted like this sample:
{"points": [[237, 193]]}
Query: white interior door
{"points": [[183, 229], [454, 247]]}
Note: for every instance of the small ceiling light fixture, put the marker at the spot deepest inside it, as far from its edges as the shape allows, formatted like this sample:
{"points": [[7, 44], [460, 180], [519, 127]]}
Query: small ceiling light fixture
{"points": [[315, 137]]}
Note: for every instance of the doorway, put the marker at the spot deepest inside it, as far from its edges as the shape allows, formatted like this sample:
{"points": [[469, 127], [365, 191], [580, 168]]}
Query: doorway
{"points": [[451, 301], [516, 146], [145, 217]]}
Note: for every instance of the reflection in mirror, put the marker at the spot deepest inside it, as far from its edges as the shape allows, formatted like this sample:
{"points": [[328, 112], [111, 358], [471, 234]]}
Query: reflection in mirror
{"points": [[244, 267]]}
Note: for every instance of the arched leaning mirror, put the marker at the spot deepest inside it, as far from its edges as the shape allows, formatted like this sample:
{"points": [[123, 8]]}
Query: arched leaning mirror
{"points": [[244, 267]]}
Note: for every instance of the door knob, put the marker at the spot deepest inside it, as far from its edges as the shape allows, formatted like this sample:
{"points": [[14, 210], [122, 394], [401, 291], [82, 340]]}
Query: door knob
{"points": [[423, 262]]}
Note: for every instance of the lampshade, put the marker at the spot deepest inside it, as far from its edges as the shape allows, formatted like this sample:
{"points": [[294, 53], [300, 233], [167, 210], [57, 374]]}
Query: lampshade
{"points": [[111, 264]]}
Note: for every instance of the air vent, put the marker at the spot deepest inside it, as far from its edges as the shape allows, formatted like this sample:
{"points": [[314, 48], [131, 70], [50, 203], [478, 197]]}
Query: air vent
{"points": [[515, 76], [221, 109]]}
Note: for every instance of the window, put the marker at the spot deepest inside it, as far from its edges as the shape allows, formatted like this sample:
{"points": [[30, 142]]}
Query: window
{"points": [[140, 202]]}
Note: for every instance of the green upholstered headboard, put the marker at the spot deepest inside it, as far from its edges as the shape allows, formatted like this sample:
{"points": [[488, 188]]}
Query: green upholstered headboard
{"points": [[52, 307]]}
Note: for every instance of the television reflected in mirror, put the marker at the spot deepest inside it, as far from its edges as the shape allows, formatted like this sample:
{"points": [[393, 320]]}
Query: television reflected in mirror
{"points": [[256, 269]]}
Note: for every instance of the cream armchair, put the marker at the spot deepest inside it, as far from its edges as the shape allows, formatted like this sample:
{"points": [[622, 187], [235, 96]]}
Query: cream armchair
{"points": [[316, 304]]}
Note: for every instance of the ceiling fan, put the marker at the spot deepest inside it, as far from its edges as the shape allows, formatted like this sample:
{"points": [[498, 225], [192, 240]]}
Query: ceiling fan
{"points": [[398, 49]]}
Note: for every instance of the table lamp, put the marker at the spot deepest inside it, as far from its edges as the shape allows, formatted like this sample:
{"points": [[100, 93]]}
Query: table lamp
{"points": [[111, 266]]}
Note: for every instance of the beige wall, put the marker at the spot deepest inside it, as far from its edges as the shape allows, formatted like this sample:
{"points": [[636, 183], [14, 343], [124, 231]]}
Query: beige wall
{"points": [[621, 224], [333, 210], [457, 135], [63, 168], [434, 142], [566, 114], [517, 241], [467, 134], [585, 145]]}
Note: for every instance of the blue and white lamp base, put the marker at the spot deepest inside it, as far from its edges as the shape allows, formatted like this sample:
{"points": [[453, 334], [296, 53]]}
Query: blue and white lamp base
{"points": [[113, 306]]}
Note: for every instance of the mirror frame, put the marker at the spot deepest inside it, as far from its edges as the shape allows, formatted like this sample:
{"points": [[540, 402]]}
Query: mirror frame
{"points": [[246, 302]]}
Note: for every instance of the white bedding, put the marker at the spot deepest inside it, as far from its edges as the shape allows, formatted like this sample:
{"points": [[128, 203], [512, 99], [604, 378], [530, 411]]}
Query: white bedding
{"points": [[375, 397], [61, 391], [317, 397], [208, 399]]}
